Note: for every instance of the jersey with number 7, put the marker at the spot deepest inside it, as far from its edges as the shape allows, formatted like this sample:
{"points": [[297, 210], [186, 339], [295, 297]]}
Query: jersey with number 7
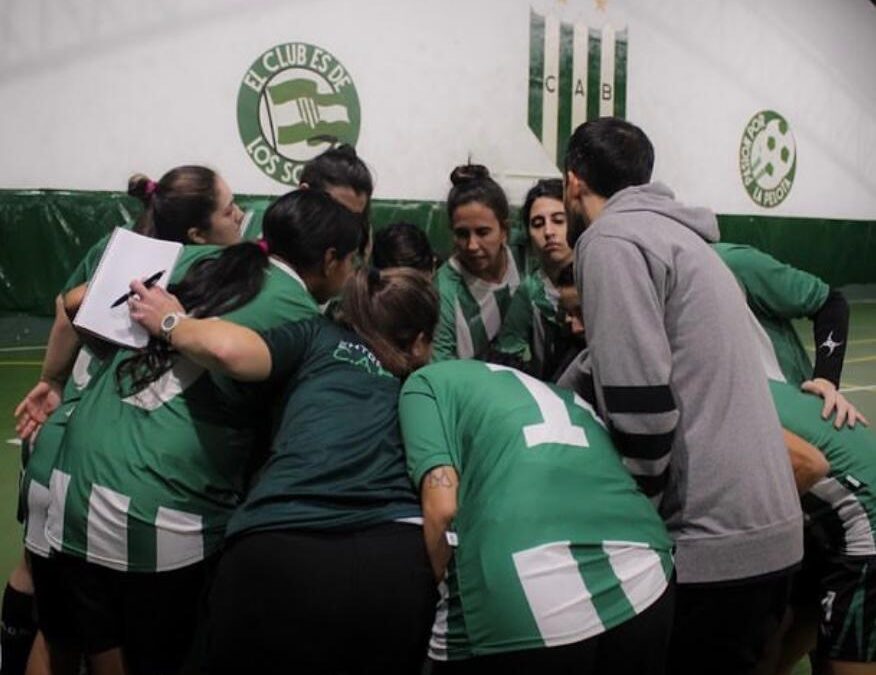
{"points": [[555, 543]]}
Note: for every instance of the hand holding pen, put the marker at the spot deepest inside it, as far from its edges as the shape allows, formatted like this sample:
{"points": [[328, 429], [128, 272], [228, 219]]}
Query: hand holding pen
{"points": [[150, 305], [149, 282]]}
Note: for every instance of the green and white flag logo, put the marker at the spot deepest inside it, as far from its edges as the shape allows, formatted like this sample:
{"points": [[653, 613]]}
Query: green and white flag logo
{"points": [[576, 73], [295, 102], [767, 158]]}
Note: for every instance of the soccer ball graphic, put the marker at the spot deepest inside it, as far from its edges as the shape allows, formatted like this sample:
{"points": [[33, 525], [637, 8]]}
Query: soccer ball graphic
{"points": [[772, 154]]}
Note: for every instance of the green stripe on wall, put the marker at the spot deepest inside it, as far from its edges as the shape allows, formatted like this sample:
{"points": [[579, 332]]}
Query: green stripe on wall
{"points": [[620, 75], [594, 69], [839, 251], [564, 126], [536, 72], [50, 231]]}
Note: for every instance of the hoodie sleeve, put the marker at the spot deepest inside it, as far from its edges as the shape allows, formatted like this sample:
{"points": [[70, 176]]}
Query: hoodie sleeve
{"points": [[622, 290]]}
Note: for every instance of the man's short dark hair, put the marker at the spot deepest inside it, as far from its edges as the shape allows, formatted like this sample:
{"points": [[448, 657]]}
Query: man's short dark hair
{"points": [[610, 154]]}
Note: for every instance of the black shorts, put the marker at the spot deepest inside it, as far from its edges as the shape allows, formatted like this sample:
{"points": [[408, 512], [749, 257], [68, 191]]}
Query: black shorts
{"points": [[359, 601], [847, 618], [807, 579], [724, 628], [90, 609]]}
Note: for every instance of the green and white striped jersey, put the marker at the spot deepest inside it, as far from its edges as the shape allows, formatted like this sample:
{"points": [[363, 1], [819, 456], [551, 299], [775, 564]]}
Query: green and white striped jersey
{"points": [[554, 541], [840, 509], [472, 310], [531, 321], [146, 481], [43, 453]]}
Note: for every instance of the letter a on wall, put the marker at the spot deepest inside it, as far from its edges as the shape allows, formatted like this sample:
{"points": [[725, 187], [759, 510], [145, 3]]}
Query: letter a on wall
{"points": [[576, 73]]}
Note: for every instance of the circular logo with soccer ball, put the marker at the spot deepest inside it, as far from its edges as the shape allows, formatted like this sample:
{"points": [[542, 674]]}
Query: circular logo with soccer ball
{"points": [[295, 102], [768, 158]]}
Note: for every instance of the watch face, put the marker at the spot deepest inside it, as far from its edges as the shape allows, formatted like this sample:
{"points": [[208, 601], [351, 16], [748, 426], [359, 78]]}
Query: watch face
{"points": [[169, 322]]}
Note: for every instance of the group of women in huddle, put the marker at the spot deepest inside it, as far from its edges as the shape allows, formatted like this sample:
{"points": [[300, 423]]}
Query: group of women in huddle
{"points": [[267, 488], [239, 495]]}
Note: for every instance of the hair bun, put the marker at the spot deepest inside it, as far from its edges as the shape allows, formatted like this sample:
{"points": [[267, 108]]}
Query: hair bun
{"points": [[469, 172], [346, 150], [138, 187]]}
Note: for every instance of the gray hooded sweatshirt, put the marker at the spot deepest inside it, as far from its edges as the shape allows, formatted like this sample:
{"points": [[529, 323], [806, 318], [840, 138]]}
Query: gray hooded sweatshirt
{"points": [[677, 376]]}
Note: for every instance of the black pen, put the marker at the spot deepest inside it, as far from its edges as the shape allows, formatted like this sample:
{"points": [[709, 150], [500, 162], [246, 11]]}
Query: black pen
{"points": [[148, 283]]}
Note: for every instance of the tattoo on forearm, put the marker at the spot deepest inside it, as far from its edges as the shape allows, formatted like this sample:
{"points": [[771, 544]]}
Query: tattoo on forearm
{"points": [[439, 479]]}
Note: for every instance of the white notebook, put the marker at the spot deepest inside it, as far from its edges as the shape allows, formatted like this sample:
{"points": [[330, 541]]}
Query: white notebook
{"points": [[128, 256]]}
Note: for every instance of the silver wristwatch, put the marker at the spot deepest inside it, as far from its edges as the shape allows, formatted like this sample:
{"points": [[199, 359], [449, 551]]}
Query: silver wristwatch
{"points": [[169, 322]]}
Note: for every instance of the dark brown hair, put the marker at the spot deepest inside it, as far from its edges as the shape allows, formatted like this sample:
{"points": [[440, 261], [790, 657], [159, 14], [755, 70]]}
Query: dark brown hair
{"points": [[610, 154], [183, 198], [302, 225], [472, 183], [340, 166], [552, 188], [403, 245]]}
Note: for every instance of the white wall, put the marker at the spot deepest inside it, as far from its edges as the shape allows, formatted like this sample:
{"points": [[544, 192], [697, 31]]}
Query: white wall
{"points": [[93, 90]]}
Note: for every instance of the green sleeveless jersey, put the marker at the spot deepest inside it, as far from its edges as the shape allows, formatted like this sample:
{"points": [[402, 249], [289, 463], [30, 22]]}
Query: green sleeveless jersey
{"points": [[840, 509], [471, 310], [554, 541], [532, 323], [146, 481]]}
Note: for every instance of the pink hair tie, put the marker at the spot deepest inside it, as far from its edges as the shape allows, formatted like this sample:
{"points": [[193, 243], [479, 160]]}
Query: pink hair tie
{"points": [[151, 187], [263, 244]]}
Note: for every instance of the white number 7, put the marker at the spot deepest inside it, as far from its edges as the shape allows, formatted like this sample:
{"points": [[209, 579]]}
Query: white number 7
{"points": [[556, 425]]}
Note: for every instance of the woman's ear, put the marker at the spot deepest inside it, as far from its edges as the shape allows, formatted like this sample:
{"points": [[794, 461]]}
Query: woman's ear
{"points": [[421, 349], [330, 261], [196, 235]]}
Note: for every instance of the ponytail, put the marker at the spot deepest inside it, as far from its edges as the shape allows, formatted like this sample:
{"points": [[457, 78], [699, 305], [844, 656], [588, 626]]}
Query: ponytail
{"points": [[212, 287], [142, 188], [184, 197], [389, 309]]}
